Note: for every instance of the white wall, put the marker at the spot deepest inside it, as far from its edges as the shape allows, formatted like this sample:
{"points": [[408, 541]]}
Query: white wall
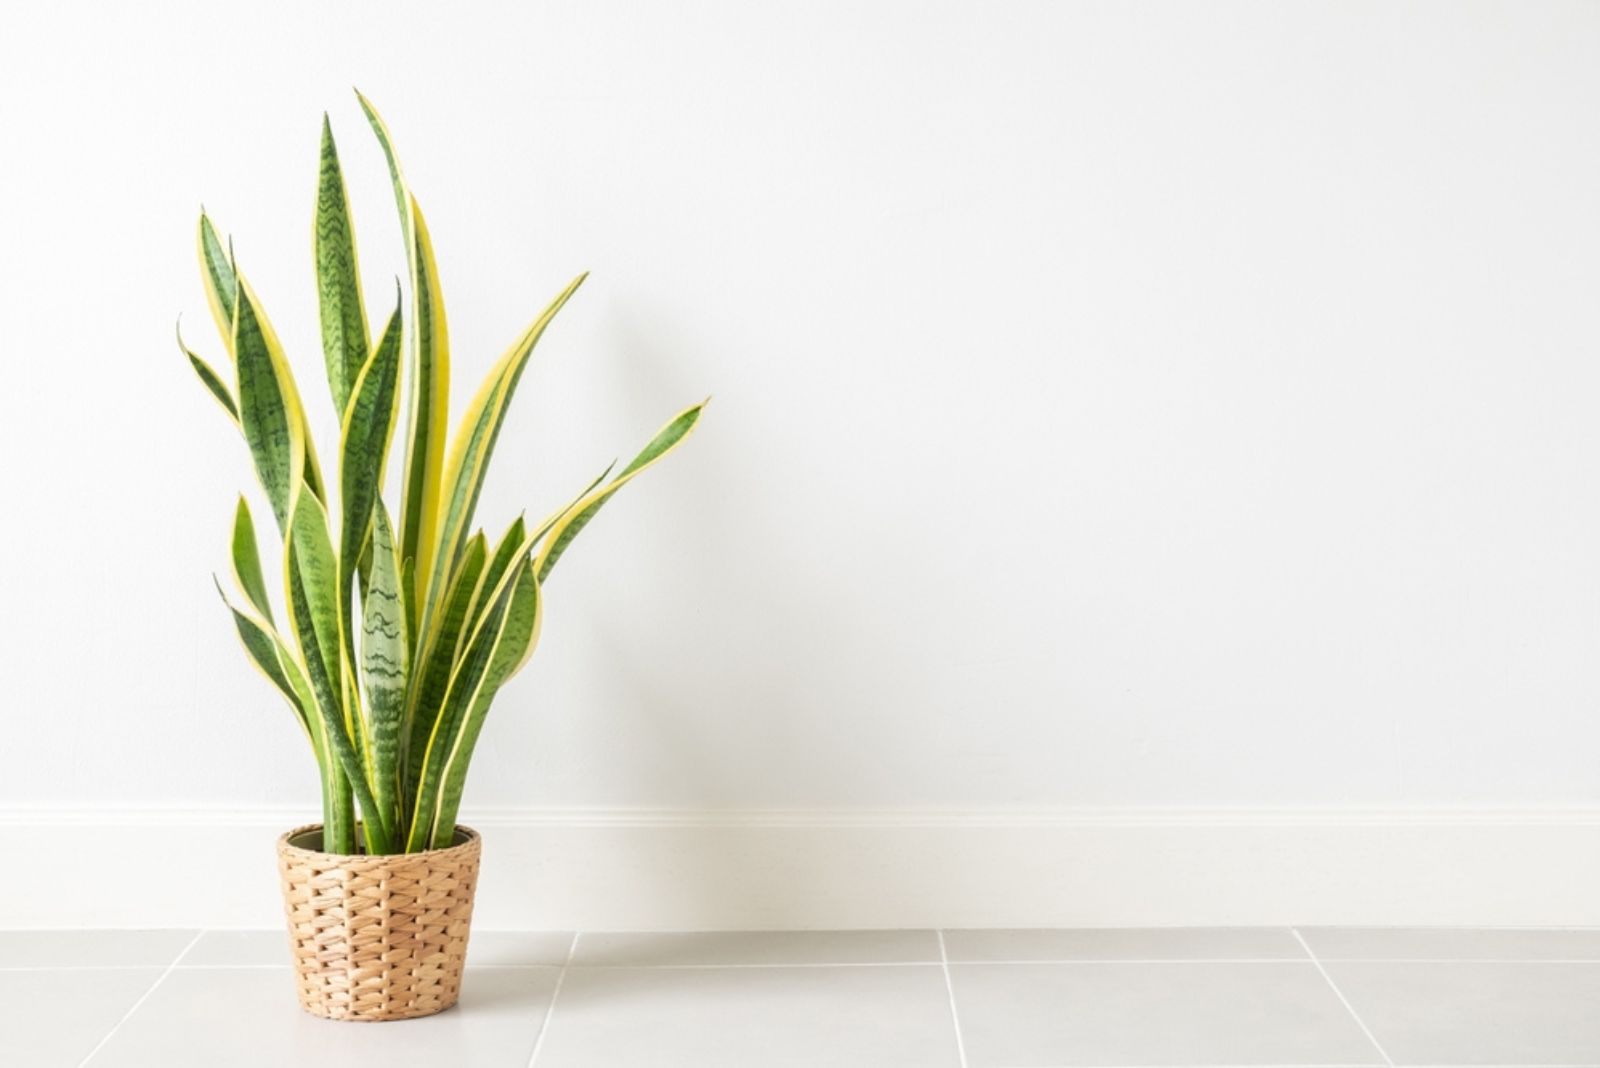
{"points": [[1116, 405]]}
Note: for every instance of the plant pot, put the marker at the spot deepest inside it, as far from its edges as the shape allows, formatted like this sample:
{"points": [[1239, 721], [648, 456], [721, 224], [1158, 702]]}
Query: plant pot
{"points": [[377, 937]]}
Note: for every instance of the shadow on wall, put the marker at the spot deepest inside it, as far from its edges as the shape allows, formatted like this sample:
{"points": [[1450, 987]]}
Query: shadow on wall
{"points": [[663, 719]]}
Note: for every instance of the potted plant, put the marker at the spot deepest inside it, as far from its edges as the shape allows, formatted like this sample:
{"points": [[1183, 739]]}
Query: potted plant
{"points": [[395, 633]]}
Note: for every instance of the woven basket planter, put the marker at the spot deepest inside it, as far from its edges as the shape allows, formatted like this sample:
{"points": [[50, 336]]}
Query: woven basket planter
{"points": [[377, 937]]}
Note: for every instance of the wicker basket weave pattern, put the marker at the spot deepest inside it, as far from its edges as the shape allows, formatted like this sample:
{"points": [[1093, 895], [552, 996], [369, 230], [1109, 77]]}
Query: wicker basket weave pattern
{"points": [[378, 937]]}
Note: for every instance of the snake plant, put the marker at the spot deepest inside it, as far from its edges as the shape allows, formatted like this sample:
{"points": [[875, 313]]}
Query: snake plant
{"points": [[394, 636]]}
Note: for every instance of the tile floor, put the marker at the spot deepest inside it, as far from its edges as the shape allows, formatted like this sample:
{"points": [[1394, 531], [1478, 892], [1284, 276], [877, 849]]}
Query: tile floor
{"points": [[921, 999]]}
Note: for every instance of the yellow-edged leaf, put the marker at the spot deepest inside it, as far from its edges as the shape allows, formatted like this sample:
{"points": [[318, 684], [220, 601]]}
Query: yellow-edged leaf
{"points": [[428, 420], [570, 525], [466, 685], [518, 634], [384, 665], [339, 305], [269, 409], [216, 270], [210, 379], [266, 652], [311, 578], [474, 442], [396, 177], [365, 434], [247, 561], [436, 656], [500, 560]]}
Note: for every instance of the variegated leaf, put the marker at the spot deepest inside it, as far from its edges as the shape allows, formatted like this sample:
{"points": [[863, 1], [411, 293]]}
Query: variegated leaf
{"points": [[384, 665], [276, 660], [435, 657], [210, 379], [216, 270], [466, 685], [429, 359], [247, 561], [500, 560], [367, 429], [519, 634], [261, 644], [396, 177], [473, 447], [344, 319], [312, 577], [269, 410], [428, 420], [569, 526]]}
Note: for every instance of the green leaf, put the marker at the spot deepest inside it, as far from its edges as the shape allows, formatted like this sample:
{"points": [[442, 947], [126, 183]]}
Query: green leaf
{"points": [[474, 443], [311, 470], [344, 320], [210, 379], [505, 552], [364, 445], [466, 685], [342, 773], [314, 585], [384, 665], [216, 270], [519, 634], [262, 645], [311, 571], [428, 412], [565, 510], [428, 418], [275, 660], [402, 195], [269, 409], [437, 655], [570, 525], [247, 561]]}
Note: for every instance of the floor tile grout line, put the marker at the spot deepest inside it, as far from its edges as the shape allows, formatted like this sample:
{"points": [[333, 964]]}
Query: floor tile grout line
{"points": [[1351, 1009], [747, 965], [1119, 960], [9, 968], [1008, 961], [1198, 960], [285, 966], [549, 1013], [151, 989], [950, 989]]}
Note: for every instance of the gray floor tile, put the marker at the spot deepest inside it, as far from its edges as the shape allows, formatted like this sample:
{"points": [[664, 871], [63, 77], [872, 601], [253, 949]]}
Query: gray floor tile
{"points": [[236, 948], [642, 949], [239, 948], [1471, 1013], [52, 1018], [249, 1018], [845, 1017], [1125, 943], [1451, 943], [519, 947], [1017, 1015], [90, 948]]}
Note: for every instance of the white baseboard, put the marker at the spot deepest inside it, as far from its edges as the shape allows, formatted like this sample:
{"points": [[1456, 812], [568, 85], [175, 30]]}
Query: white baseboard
{"points": [[653, 869]]}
